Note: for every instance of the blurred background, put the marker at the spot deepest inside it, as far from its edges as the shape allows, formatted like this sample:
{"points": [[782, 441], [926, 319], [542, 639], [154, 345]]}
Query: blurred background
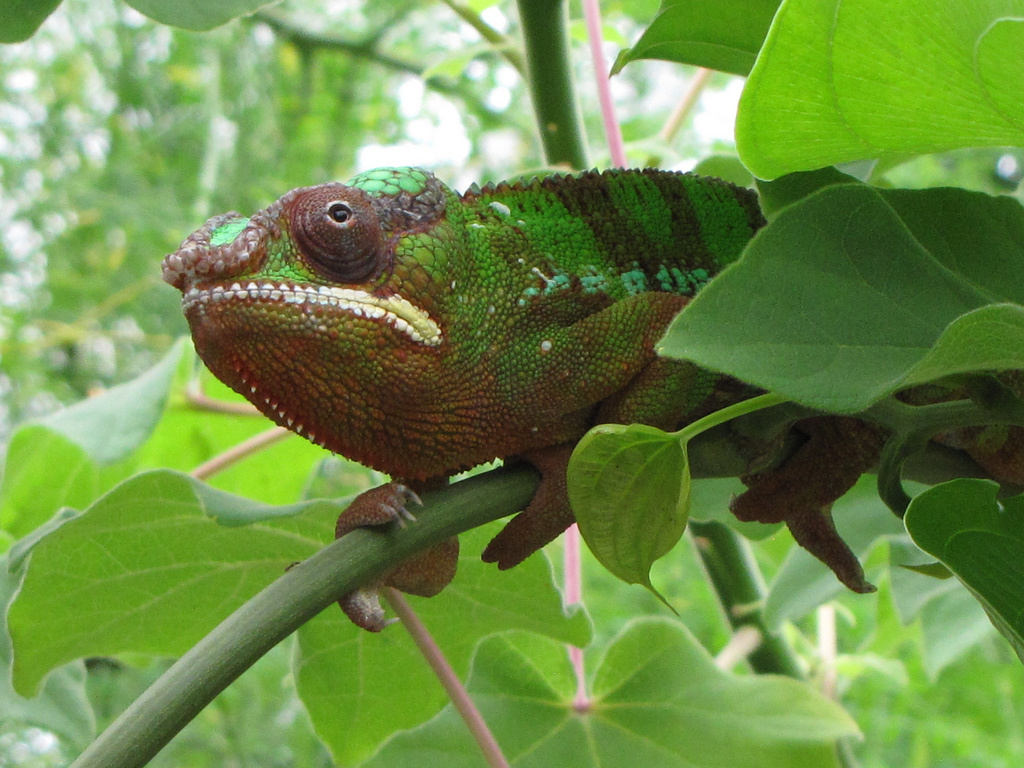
{"points": [[119, 136]]}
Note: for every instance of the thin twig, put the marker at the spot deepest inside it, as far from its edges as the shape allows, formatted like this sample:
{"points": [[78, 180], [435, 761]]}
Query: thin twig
{"points": [[612, 130], [502, 43], [449, 680], [827, 648], [686, 105], [743, 642], [236, 453], [195, 396]]}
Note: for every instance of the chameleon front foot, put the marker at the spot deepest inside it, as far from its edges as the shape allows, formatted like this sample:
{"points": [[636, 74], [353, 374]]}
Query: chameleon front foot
{"points": [[424, 574]]}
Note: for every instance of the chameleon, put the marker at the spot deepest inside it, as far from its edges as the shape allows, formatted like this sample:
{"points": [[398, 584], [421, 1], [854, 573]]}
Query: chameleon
{"points": [[422, 332]]}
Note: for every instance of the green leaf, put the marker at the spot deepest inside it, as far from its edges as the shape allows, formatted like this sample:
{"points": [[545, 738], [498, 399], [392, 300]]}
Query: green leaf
{"points": [[908, 316], [62, 706], [689, 32], [45, 471], [979, 538], [112, 425], [147, 569], [19, 19], [72, 456], [951, 624], [658, 700], [727, 167], [197, 16], [836, 82], [355, 685], [629, 487], [793, 187]]}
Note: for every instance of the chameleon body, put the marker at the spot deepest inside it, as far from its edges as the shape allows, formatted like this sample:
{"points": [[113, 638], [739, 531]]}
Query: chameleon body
{"points": [[422, 332]]}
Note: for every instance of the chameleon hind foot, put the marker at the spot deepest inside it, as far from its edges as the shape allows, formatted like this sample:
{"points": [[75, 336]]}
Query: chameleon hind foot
{"points": [[546, 516], [424, 574]]}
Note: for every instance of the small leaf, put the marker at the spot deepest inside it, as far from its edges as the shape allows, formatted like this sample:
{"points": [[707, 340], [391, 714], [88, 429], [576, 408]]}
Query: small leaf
{"points": [[727, 167], [837, 82], [197, 16], [629, 487], [979, 538], [931, 570], [686, 32], [793, 187]]}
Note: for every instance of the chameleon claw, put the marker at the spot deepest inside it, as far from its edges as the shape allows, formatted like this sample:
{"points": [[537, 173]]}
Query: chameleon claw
{"points": [[383, 505], [402, 513], [363, 609]]}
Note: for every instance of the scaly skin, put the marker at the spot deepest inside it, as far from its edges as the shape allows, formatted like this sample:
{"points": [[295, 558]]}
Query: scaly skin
{"points": [[421, 332]]}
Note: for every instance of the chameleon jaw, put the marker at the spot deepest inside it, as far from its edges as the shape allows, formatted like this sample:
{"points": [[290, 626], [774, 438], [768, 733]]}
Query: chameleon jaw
{"points": [[394, 310]]}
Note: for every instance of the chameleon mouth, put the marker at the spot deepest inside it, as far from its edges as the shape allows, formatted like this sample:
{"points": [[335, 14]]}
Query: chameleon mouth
{"points": [[394, 310]]}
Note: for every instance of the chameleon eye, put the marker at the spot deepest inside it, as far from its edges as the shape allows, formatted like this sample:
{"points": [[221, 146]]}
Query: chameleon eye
{"points": [[338, 234], [339, 211]]}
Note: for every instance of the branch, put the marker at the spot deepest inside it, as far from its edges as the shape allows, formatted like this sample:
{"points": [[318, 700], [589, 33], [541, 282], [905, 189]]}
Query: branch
{"points": [[364, 49], [738, 583], [295, 598], [550, 80]]}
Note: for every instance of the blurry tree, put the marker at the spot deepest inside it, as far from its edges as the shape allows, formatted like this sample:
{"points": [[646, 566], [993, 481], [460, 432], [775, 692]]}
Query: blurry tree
{"points": [[119, 135]]}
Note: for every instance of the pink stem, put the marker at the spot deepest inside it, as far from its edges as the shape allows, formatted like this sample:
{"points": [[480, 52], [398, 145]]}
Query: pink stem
{"points": [[574, 595], [233, 455], [449, 680], [612, 132]]}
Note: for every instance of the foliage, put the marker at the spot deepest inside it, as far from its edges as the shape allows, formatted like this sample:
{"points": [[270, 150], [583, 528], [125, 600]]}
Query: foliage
{"points": [[119, 135]]}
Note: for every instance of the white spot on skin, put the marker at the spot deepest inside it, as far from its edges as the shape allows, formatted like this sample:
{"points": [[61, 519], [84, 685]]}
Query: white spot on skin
{"points": [[501, 208], [545, 346]]}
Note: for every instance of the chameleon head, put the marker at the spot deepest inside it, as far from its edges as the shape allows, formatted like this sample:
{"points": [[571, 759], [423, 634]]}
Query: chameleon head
{"points": [[300, 307]]}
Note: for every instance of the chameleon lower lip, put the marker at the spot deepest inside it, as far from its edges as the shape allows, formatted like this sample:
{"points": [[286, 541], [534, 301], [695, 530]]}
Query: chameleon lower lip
{"points": [[395, 310]]}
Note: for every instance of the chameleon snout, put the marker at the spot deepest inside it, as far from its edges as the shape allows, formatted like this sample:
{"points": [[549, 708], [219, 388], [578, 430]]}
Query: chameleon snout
{"points": [[223, 248]]}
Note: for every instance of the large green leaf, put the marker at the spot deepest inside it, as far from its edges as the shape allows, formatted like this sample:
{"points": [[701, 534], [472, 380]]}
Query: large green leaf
{"points": [[839, 81], [725, 36], [19, 19], [356, 685], [658, 700], [920, 296], [195, 15], [148, 569], [980, 539]]}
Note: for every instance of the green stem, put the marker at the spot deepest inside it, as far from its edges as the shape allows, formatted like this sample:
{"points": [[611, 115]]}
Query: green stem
{"points": [[550, 81], [297, 596], [733, 411], [740, 587]]}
